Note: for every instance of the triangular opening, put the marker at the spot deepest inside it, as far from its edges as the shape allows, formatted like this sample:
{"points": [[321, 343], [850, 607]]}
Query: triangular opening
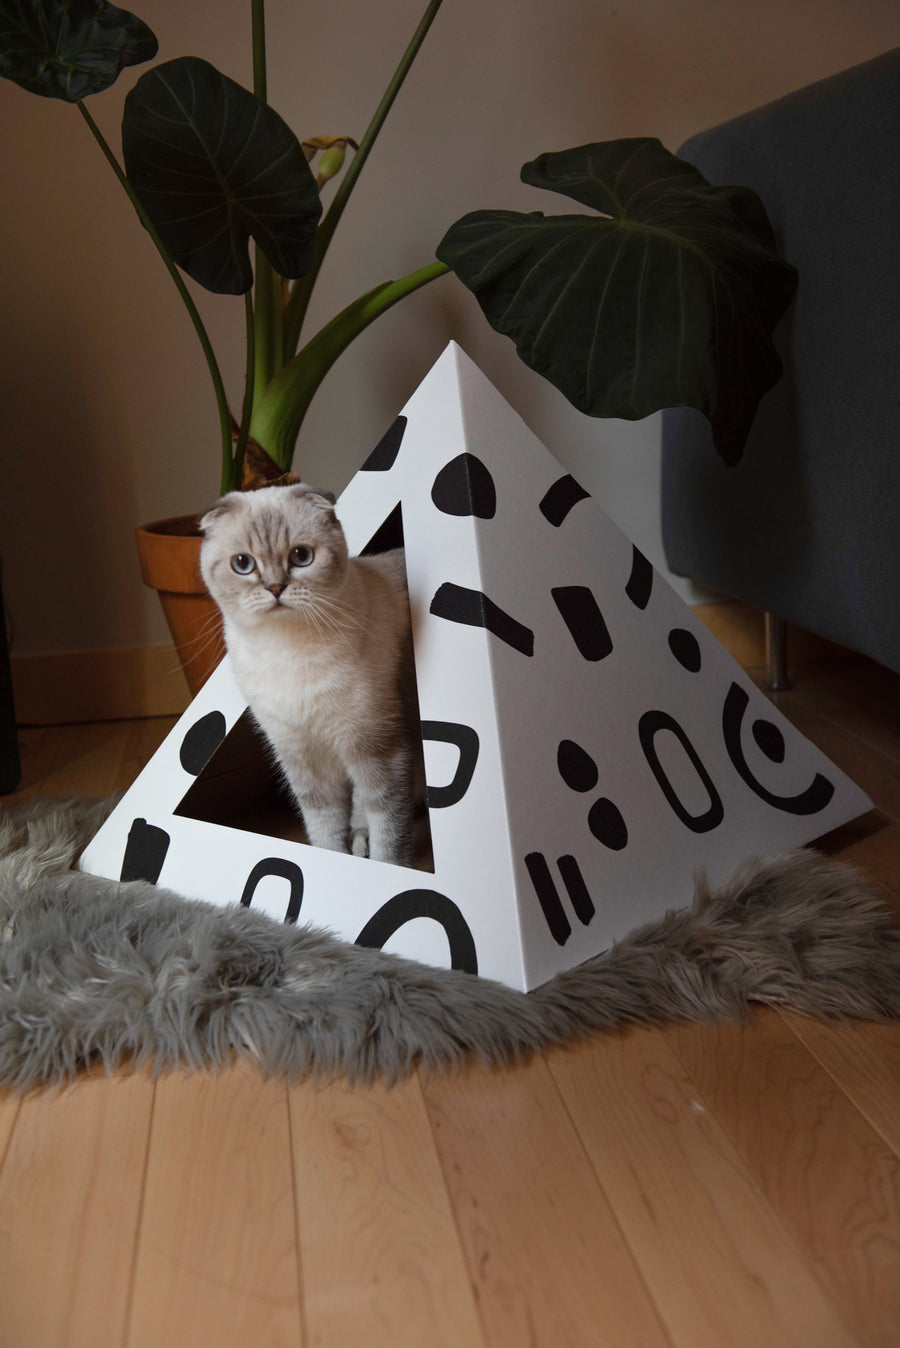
{"points": [[241, 786]]}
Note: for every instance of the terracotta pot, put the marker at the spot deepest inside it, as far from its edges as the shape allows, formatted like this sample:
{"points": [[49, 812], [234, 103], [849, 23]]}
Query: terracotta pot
{"points": [[169, 553]]}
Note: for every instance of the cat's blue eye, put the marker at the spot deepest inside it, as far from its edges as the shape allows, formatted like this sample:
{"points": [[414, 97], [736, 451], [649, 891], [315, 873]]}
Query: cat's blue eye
{"points": [[301, 555], [243, 563]]}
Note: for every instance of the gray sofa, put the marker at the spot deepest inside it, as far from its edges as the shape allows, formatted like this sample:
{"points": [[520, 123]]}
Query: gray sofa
{"points": [[807, 526]]}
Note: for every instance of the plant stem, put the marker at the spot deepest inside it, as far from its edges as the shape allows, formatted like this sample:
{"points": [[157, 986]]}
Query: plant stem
{"points": [[302, 290], [279, 412], [212, 363], [267, 345], [237, 462]]}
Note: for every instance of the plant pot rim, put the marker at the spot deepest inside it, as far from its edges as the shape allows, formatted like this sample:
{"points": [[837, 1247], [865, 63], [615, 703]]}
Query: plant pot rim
{"points": [[178, 526]]}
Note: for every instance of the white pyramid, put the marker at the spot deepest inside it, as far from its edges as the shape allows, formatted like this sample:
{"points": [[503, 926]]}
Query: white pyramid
{"points": [[588, 744]]}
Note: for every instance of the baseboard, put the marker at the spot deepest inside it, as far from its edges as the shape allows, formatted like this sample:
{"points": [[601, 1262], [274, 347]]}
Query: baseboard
{"points": [[127, 683]]}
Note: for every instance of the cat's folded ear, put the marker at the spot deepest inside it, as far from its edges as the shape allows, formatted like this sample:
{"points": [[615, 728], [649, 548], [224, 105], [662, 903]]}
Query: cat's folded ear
{"points": [[316, 496], [224, 506]]}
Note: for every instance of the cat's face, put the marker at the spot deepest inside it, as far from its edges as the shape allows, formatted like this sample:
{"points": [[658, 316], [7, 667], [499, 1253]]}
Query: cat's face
{"points": [[274, 553]]}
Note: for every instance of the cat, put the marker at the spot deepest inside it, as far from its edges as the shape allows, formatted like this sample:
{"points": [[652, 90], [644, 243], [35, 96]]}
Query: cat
{"points": [[321, 647]]}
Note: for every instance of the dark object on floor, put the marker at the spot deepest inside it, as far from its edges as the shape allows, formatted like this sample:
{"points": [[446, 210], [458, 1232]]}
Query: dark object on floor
{"points": [[92, 969], [807, 525]]}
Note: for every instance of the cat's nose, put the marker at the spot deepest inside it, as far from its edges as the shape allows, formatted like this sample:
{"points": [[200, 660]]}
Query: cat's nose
{"points": [[277, 590]]}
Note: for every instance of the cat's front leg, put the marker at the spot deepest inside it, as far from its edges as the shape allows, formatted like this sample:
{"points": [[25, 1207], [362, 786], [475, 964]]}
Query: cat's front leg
{"points": [[383, 791], [324, 803]]}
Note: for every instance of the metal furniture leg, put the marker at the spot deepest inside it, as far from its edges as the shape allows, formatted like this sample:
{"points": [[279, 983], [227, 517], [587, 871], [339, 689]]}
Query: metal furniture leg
{"points": [[776, 653]]}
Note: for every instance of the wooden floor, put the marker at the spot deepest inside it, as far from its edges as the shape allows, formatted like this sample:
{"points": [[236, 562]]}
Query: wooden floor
{"points": [[670, 1188]]}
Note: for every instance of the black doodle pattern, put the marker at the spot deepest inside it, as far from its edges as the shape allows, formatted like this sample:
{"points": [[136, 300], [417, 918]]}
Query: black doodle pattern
{"points": [[579, 897], [548, 897], [561, 498], [464, 486], [458, 604], [465, 739], [769, 740], [640, 582], [413, 903], [145, 852], [649, 726], [607, 825], [811, 801], [383, 456], [581, 614], [284, 870], [576, 767], [201, 742], [686, 649]]}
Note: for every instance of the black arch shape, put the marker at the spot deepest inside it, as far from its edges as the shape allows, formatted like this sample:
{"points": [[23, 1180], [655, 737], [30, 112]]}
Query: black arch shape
{"points": [[465, 739], [649, 726], [814, 798], [412, 903], [285, 870]]}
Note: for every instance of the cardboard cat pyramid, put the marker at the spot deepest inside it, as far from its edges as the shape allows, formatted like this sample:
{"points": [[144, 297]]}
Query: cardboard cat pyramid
{"points": [[588, 745]]}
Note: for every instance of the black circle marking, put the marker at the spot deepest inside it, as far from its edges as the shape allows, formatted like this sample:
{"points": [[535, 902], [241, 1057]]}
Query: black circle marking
{"points": [[201, 742], [464, 486], [649, 727], [686, 649], [576, 767], [769, 739], [413, 903], [607, 825]]}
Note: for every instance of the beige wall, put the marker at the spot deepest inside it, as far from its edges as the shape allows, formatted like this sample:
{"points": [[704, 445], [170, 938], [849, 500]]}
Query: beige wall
{"points": [[106, 417]]}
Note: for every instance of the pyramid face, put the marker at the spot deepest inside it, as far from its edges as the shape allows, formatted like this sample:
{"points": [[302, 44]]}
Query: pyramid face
{"points": [[589, 746]]}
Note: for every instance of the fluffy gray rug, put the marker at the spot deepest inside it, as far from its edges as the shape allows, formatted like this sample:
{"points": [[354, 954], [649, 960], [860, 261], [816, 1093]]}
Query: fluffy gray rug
{"points": [[131, 973]]}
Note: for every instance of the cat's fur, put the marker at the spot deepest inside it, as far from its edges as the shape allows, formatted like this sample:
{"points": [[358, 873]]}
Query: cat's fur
{"points": [[323, 654]]}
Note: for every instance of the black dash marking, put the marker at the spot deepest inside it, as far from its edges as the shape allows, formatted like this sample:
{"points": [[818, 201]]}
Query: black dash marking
{"points": [[559, 500], [686, 649], [201, 742], [145, 852], [640, 582], [413, 903], [576, 767], [458, 604], [607, 825], [582, 903], [385, 452], [548, 898], [464, 486], [581, 614]]}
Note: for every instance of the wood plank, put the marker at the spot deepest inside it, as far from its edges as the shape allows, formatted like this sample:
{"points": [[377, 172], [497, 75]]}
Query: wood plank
{"points": [[142, 740], [70, 1193], [872, 844], [864, 1060], [859, 696], [545, 1253], [720, 1265], [9, 1109], [379, 1250], [828, 1174], [216, 1258], [65, 687]]}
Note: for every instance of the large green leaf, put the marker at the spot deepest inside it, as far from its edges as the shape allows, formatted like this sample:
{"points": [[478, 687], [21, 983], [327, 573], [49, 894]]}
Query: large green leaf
{"points": [[69, 48], [214, 166], [668, 298]]}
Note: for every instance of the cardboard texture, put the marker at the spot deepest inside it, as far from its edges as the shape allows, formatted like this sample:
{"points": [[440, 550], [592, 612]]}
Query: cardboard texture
{"points": [[589, 746]]}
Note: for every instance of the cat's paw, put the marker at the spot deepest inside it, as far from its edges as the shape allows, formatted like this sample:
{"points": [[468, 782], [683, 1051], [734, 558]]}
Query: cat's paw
{"points": [[359, 842]]}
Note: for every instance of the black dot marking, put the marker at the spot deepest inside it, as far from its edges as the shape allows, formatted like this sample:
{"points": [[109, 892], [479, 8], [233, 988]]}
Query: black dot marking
{"points": [[464, 486], [473, 609], [769, 739], [649, 726], [145, 852], [607, 825], [559, 500], [385, 452], [284, 870], [811, 801], [640, 582], [466, 741], [584, 620], [686, 649], [548, 897], [582, 903], [576, 767], [201, 742], [413, 903]]}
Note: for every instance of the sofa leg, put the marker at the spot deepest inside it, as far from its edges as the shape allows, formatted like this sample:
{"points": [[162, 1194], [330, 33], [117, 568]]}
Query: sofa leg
{"points": [[776, 653]]}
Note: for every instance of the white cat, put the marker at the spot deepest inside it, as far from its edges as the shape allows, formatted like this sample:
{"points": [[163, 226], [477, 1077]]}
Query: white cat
{"points": [[321, 647]]}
